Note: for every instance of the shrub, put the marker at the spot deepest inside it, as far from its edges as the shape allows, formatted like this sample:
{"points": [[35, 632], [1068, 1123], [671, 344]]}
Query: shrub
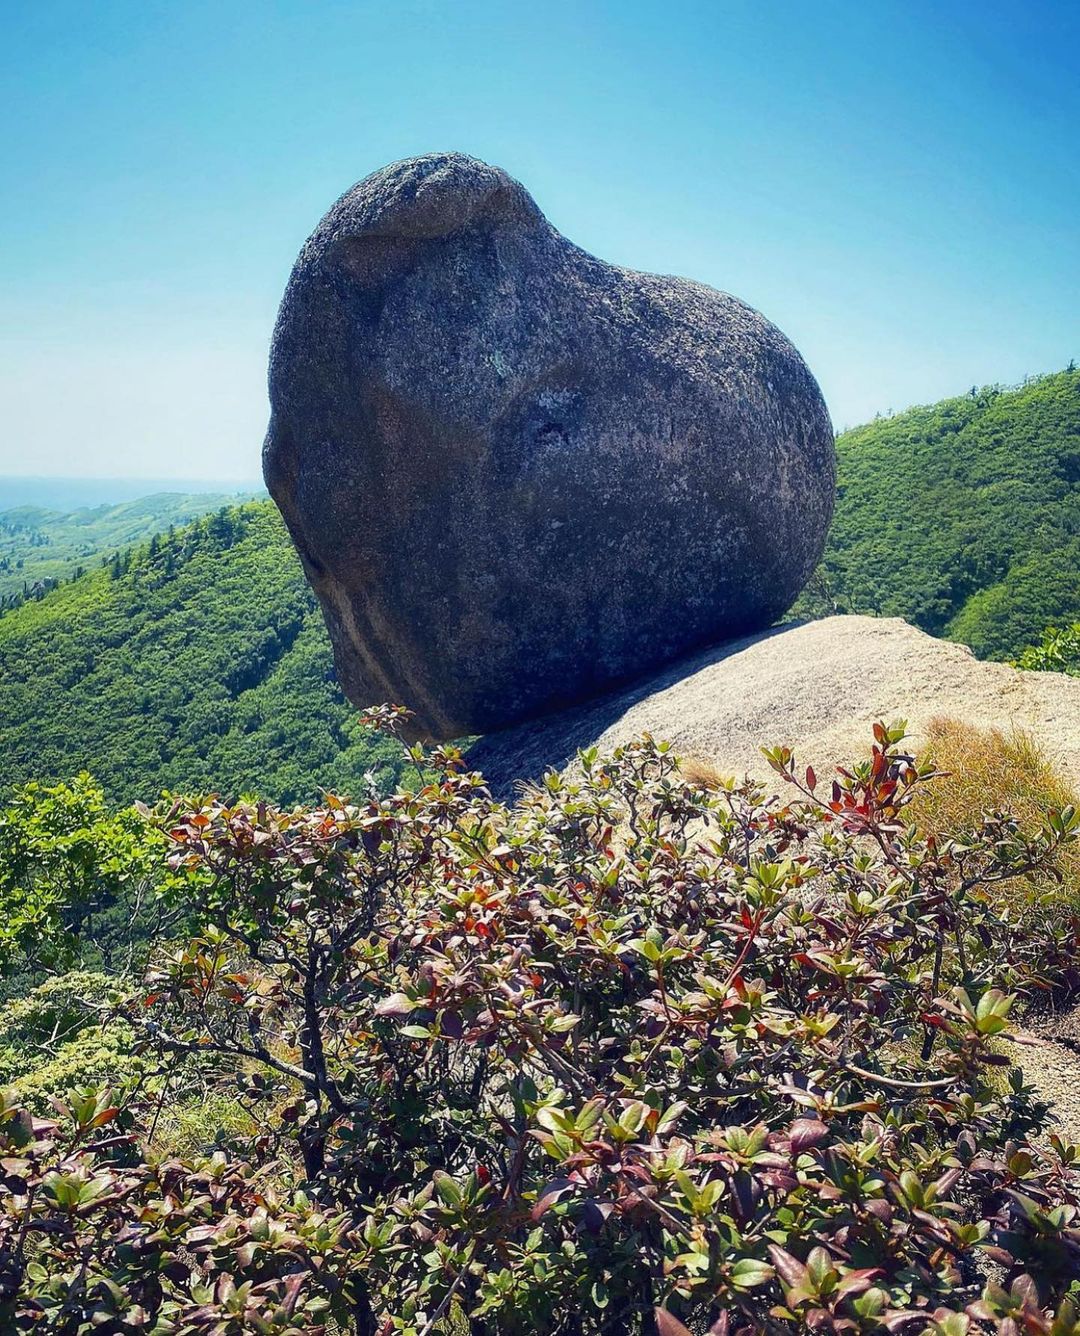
{"points": [[638, 1054], [1057, 652], [65, 1033], [93, 1238], [74, 878]]}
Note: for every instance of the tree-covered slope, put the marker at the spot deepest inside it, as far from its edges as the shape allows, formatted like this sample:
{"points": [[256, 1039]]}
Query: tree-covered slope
{"points": [[40, 547], [963, 517], [198, 661]]}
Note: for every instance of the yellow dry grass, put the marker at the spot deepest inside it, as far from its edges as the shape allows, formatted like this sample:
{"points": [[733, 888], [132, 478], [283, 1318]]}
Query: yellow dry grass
{"points": [[988, 770], [701, 773]]}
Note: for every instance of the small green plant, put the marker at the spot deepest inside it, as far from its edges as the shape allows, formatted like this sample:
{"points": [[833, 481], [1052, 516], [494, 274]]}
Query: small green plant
{"points": [[1057, 652]]}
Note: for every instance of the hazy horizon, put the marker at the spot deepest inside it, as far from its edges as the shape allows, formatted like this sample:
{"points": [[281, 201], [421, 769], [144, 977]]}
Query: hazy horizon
{"points": [[154, 483], [67, 494]]}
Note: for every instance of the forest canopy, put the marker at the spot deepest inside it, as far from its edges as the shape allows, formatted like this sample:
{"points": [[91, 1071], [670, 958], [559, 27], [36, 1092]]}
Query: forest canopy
{"points": [[196, 661], [962, 517]]}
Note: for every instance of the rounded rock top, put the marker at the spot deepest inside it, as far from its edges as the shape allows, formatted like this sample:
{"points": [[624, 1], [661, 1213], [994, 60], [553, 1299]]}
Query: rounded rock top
{"points": [[517, 475]]}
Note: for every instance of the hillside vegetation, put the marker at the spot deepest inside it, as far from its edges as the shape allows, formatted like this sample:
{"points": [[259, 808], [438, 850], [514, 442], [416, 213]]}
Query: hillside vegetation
{"points": [[197, 661], [963, 517], [40, 548], [647, 1051]]}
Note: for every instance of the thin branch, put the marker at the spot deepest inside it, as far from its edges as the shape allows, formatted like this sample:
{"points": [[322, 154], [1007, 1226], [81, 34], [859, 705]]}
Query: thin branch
{"points": [[894, 1082]]}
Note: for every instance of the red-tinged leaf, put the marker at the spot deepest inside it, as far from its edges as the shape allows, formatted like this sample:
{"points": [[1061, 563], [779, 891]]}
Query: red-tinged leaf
{"points": [[722, 1326], [902, 1319], [857, 1282], [293, 1285], [811, 778], [451, 1025], [932, 1018], [150, 999], [669, 1325], [806, 1133], [790, 1270], [551, 1194], [594, 1214]]}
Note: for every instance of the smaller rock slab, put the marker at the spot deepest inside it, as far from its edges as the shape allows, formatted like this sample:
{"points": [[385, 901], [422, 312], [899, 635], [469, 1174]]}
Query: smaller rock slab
{"points": [[817, 687]]}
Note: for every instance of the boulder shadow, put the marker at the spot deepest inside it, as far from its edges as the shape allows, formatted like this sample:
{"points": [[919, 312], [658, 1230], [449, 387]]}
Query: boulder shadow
{"points": [[515, 757]]}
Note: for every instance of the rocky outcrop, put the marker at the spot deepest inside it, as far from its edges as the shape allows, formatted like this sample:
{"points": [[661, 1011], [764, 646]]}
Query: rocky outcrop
{"points": [[815, 686], [517, 474]]}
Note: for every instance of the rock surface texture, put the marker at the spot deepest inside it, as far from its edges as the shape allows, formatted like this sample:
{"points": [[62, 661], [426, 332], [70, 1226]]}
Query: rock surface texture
{"points": [[517, 474], [815, 686]]}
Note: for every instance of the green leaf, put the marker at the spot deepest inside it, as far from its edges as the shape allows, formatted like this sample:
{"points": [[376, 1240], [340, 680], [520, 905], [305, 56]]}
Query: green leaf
{"points": [[749, 1273]]}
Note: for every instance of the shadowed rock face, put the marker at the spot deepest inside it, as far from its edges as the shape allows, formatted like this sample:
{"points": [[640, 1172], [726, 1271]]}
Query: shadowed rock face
{"points": [[516, 474]]}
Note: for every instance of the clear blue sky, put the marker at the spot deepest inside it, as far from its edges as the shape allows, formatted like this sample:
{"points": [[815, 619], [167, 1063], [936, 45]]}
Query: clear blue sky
{"points": [[897, 185]]}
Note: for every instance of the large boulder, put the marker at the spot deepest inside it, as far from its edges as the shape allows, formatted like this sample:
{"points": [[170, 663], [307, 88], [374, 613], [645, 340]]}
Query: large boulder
{"points": [[516, 474]]}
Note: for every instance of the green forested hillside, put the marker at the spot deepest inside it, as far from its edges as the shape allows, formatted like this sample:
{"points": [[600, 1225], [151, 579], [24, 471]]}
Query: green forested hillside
{"points": [[197, 661], [40, 547], [963, 517]]}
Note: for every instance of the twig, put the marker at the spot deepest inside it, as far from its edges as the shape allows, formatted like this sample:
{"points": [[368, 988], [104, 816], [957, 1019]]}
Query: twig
{"points": [[894, 1082], [448, 1298]]}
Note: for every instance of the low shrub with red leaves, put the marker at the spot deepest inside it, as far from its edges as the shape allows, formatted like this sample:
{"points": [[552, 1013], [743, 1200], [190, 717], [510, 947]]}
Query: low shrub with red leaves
{"points": [[640, 1053]]}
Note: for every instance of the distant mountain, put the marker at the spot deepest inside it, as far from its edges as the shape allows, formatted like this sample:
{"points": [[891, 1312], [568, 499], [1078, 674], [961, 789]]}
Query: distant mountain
{"points": [[40, 547], [197, 661], [962, 517], [67, 494]]}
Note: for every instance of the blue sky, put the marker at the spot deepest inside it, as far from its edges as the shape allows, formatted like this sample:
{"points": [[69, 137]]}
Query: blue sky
{"points": [[896, 185]]}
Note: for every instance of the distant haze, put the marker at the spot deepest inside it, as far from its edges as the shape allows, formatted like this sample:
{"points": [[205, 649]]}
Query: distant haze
{"points": [[66, 494]]}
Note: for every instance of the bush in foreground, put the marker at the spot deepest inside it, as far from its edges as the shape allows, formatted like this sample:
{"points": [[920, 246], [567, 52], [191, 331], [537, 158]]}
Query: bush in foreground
{"points": [[642, 1053]]}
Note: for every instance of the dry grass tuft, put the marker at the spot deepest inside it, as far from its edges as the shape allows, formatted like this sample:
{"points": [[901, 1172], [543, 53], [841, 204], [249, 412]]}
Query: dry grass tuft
{"points": [[696, 770], [988, 770]]}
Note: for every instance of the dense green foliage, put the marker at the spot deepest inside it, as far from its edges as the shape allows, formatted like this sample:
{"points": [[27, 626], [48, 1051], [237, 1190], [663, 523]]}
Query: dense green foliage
{"points": [[641, 1055], [64, 1033], [1057, 652], [75, 879], [198, 661], [41, 548], [963, 517]]}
